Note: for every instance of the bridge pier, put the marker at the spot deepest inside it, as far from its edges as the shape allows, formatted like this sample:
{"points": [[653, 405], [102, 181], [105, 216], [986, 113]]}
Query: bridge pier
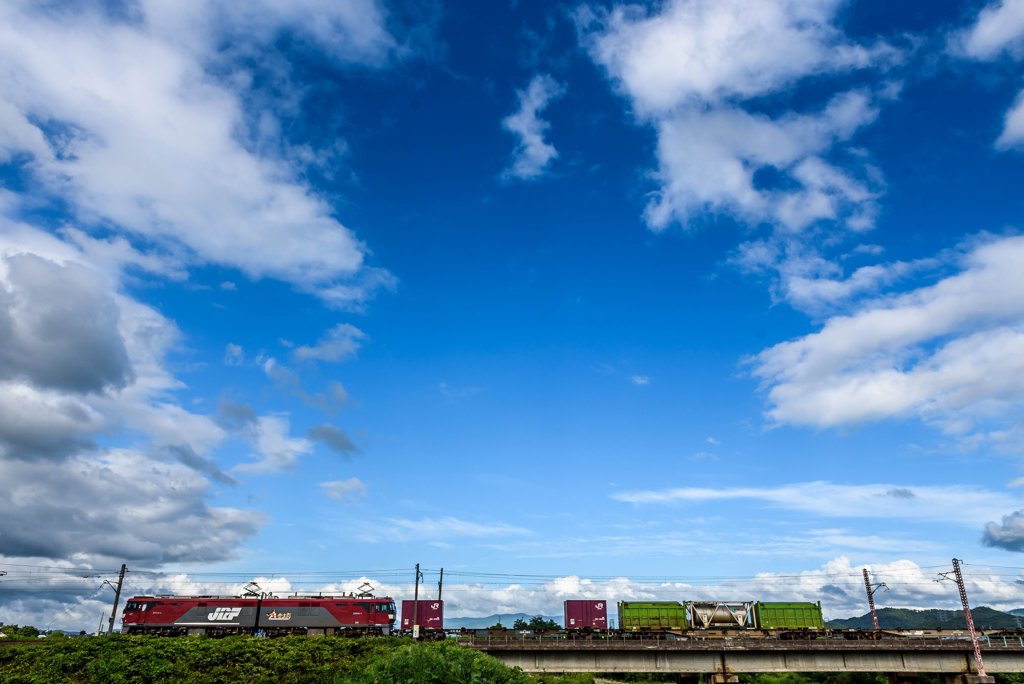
{"points": [[969, 679], [724, 678], [904, 678]]}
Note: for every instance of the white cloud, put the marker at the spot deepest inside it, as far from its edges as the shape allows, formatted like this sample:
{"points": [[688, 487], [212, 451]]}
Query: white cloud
{"points": [[1013, 126], [997, 32], [339, 343], [813, 284], [533, 154], [126, 123], [447, 528], [708, 161], [698, 72], [838, 584], [998, 28], [712, 51], [275, 449], [640, 380], [926, 503], [351, 489], [353, 30], [951, 353]]}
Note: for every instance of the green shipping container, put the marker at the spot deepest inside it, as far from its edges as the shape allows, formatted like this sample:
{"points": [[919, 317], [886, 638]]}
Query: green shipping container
{"points": [[789, 615], [652, 616]]}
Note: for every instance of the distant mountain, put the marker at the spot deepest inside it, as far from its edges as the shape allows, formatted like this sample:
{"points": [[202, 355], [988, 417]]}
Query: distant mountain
{"points": [[506, 620], [905, 618]]}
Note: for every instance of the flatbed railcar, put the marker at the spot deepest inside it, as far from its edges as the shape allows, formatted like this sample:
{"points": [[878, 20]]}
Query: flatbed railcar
{"points": [[258, 615]]}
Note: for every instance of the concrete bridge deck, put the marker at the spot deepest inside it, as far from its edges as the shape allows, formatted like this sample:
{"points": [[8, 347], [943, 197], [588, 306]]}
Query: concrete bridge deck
{"points": [[724, 658]]}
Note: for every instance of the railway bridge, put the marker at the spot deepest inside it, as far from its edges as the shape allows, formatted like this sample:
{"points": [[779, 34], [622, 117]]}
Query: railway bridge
{"points": [[721, 660]]}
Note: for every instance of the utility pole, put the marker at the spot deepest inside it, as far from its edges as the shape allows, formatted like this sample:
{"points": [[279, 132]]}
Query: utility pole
{"points": [[440, 582], [871, 596], [416, 604], [117, 598], [959, 578]]}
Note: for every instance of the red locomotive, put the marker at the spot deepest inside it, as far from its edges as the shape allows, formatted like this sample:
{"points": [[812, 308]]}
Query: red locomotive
{"points": [[260, 615]]}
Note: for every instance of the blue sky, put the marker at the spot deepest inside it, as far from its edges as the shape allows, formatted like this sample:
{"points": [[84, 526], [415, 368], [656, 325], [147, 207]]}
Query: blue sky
{"points": [[674, 300]]}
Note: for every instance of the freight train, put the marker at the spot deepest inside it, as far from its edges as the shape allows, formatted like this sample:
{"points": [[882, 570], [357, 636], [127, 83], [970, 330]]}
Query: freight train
{"points": [[358, 614]]}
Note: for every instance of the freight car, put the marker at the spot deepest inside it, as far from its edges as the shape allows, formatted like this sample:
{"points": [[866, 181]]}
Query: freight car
{"points": [[424, 618], [585, 616], [259, 615], [720, 618]]}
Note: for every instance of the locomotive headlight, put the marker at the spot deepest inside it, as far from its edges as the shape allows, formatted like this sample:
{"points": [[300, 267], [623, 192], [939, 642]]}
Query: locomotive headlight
{"points": [[391, 616]]}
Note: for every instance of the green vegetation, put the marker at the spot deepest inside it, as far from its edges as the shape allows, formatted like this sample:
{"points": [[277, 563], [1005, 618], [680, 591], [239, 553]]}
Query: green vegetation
{"points": [[536, 623], [16, 632], [137, 659]]}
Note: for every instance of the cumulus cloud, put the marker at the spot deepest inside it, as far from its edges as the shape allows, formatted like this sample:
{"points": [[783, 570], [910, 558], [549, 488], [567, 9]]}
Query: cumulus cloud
{"points": [[121, 506], [1008, 534], [351, 489], [698, 72], [59, 327], [687, 68], [698, 50], [127, 122], [339, 343], [998, 32], [949, 353], [709, 161], [640, 380], [837, 583], [827, 499], [105, 368], [334, 438], [533, 154], [65, 495]]}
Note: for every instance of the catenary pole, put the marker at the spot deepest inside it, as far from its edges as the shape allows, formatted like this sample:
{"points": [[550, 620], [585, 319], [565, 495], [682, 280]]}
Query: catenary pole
{"points": [[440, 581], [970, 620], [416, 603], [871, 596], [117, 598]]}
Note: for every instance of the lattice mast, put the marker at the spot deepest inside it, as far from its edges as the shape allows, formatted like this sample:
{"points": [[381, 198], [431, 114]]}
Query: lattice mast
{"points": [[871, 599], [970, 620]]}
